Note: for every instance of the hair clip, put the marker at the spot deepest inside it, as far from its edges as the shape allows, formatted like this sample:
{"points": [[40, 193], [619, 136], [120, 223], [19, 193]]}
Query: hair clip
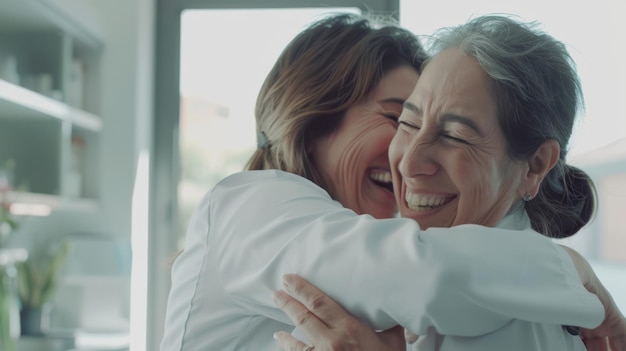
{"points": [[261, 140]]}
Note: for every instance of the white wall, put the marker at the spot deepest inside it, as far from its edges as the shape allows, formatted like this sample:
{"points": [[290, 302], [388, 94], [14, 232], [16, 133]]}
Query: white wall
{"points": [[127, 73], [127, 30], [126, 105]]}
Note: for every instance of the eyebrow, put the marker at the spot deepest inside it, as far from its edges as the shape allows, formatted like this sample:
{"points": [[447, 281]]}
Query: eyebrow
{"points": [[393, 99], [409, 106], [448, 117]]}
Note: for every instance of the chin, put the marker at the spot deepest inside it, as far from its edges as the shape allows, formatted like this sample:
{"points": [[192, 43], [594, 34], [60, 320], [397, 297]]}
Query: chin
{"points": [[385, 215], [382, 213]]}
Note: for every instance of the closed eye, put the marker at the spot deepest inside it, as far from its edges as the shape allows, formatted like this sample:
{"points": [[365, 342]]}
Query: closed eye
{"points": [[392, 117], [454, 139], [409, 125]]}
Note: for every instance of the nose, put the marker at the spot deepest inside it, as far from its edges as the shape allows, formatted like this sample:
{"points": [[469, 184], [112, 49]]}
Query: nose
{"points": [[418, 158]]}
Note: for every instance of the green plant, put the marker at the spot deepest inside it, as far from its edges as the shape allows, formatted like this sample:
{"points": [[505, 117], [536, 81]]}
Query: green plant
{"points": [[8, 305], [9, 315], [38, 275], [8, 224]]}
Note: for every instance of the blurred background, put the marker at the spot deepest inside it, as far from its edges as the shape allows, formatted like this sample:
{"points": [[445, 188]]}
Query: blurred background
{"points": [[117, 116]]}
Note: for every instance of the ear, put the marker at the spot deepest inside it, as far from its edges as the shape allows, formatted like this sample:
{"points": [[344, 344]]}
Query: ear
{"points": [[539, 164]]}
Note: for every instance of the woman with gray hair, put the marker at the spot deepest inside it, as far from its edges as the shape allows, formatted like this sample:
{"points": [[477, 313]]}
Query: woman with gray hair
{"points": [[482, 140]]}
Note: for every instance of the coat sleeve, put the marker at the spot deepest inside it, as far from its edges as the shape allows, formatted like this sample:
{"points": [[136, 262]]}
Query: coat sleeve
{"points": [[467, 280]]}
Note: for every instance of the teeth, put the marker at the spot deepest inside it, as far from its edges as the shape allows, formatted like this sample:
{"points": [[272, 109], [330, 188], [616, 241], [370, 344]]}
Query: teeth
{"points": [[424, 202], [381, 177]]}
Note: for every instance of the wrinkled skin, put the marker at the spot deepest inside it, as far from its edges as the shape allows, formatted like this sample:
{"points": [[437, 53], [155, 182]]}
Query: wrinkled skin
{"points": [[354, 158]]}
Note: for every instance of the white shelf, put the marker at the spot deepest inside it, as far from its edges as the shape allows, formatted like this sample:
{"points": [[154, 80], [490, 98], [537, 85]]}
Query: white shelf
{"points": [[49, 140], [38, 202], [94, 279], [19, 102], [33, 198]]}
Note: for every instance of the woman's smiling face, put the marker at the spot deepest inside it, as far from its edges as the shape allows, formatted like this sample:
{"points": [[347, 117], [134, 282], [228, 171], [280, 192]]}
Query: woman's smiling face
{"points": [[448, 158], [354, 158]]}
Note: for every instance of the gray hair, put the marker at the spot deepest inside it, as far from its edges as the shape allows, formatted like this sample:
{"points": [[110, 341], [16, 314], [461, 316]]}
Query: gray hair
{"points": [[538, 95]]}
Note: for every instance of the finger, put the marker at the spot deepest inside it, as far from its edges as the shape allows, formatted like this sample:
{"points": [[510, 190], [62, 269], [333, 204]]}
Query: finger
{"points": [[410, 337], [287, 342], [595, 344], [300, 315], [393, 338], [618, 344], [315, 300]]}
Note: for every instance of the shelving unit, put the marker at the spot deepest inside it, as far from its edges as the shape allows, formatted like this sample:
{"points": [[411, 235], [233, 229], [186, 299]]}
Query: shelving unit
{"points": [[19, 102], [49, 104]]}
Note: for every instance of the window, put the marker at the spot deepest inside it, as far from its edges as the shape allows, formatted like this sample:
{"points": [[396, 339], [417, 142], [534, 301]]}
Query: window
{"points": [[220, 77]]}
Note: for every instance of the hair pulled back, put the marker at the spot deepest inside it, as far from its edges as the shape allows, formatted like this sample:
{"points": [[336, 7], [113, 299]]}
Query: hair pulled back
{"points": [[538, 95]]}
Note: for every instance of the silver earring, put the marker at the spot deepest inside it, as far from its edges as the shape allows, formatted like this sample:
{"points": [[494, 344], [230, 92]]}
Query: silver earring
{"points": [[527, 197]]}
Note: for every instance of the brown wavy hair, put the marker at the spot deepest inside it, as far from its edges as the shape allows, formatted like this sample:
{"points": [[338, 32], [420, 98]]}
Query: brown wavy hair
{"points": [[327, 68]]}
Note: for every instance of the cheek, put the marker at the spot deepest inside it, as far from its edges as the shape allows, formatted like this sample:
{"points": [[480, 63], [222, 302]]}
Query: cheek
{"points": [[504, 176], [357, 152], [478, 180], [357, 149], [379, 142], [512, 176], [368, 135], [488, 190], [396, 149]]}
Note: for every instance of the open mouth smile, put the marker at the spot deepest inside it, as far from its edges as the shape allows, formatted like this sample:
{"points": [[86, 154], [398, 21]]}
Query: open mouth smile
{"points": [[382, 179], [424, 203]]}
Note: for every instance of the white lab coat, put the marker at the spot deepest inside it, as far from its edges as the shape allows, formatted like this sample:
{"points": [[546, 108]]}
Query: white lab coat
{"points": [[255, 226], [536, 334]]}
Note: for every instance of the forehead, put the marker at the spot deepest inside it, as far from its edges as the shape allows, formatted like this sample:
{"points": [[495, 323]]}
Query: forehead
{"points": [[454, 82], [398, 82]]}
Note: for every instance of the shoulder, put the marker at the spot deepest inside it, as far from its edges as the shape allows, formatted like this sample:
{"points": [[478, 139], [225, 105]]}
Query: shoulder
{"points": [[267, 193], [267, 175], [266, 181]]}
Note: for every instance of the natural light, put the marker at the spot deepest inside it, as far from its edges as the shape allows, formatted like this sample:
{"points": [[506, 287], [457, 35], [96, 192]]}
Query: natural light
{"points": [[221, 75]]}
